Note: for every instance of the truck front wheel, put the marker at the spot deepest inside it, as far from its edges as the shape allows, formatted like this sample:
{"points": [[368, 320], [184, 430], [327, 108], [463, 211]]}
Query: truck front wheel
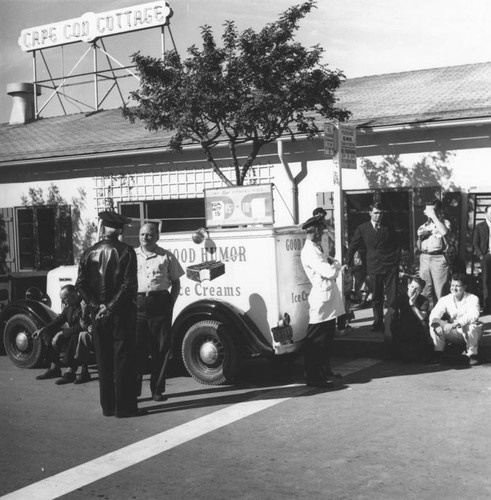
{"points": [[209, 354], [21, 348]]}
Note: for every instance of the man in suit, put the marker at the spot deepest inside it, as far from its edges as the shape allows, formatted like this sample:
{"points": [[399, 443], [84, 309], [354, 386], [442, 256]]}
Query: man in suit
{"points": [[482, 248], [382, 260]]}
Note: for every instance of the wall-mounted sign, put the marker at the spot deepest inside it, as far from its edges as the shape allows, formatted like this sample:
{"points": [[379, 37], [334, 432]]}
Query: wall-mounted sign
{"points": [[90, 26], [239, 206], [329, 140], [348, 146]]}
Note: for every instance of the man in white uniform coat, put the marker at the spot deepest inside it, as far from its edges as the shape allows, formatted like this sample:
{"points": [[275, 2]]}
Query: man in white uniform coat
{"points": [[325, 302]]}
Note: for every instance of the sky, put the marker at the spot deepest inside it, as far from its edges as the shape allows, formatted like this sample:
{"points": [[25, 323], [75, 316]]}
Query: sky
{"points": [[360, 37]]}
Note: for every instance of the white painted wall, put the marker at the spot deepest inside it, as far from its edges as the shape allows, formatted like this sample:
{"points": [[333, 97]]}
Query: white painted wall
{"points": [[471, 170]]}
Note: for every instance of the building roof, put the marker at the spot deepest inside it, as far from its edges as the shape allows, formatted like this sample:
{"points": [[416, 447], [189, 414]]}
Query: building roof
{"points": [[439, 94]]}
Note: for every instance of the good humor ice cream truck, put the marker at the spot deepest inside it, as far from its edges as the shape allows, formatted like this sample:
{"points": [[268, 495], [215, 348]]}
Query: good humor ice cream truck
{"points": [[244, 293]]}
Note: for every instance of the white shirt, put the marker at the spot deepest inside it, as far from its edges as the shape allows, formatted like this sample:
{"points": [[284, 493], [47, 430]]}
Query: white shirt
{"points": [[465, 311], [324, 299], [434, 241], [158, 270]]}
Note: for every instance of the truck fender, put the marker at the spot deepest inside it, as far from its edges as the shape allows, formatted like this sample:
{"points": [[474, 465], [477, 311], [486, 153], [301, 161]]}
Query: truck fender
{"points": [[246, 334], [33, 308]]}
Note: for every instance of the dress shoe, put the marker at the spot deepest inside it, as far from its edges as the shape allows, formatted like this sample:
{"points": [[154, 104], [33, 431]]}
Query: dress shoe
{"points": [[158, 396], [473, 360], [323, 384], [82, 378], [127, 414], [66, 378], [51, 373], [329, 373]]}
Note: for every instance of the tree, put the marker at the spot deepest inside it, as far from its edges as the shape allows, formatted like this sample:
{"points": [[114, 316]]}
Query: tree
{"points": [[254, 89], [432, 170], [82, 233]]}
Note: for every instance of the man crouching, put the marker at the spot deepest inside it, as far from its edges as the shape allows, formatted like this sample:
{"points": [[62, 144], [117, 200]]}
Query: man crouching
{"points": [[455, 319]]}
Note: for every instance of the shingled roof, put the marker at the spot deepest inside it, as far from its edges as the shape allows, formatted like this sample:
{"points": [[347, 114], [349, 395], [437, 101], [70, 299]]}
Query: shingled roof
{"points": [[439, 94]]}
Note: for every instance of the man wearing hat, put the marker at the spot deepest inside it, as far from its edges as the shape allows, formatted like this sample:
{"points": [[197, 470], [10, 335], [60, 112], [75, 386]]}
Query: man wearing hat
{"points": [[107, 281], [325, 302]]}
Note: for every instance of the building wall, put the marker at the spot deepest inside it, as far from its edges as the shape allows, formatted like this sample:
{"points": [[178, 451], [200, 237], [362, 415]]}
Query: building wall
{"points": [[460, 170]]}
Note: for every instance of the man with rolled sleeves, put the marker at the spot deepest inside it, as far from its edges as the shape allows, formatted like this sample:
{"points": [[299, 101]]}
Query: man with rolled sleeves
{"points": [[325, 302], [159, 284], [107, 281]]}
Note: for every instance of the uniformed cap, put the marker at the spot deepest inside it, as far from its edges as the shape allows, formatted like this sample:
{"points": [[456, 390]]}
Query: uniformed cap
{"points": [[316, 220], [113, 219]]}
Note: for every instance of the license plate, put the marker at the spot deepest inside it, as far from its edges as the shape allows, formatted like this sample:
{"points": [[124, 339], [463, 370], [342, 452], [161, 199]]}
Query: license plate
{"points": [[283, 334]]}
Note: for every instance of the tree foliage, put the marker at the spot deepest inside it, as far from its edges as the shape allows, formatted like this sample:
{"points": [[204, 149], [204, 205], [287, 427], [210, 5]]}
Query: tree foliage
{"points": [[82, 233], [431, 170], [253, 89]]}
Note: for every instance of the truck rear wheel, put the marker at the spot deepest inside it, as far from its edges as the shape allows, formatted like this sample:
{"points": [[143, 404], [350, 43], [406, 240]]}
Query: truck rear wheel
{"points": [[209, 354], [21, 348]]}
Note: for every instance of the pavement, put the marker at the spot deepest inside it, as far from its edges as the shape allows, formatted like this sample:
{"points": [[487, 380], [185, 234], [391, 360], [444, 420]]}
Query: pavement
{"points": [[387, 430]]}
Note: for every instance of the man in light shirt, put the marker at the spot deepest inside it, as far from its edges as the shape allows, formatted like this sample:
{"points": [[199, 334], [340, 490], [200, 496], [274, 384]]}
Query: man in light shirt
{"points": [[433, 265], [159, 284], [455, 319]]}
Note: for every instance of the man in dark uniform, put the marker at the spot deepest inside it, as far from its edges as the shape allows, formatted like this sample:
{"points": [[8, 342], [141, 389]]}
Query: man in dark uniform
{"points": [[483, 251], [107, 281], [382, 260]]}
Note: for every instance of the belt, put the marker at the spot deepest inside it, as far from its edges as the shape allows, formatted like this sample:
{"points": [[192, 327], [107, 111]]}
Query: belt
{"points": [[435, 252], [153, 292]]}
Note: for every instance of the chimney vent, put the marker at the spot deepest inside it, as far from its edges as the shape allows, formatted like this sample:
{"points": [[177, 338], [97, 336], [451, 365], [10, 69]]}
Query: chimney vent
{"points": [[23, 104]]}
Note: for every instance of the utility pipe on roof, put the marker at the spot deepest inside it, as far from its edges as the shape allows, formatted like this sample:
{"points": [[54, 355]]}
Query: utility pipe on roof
{"points": [[424, 125], [286, 166]]}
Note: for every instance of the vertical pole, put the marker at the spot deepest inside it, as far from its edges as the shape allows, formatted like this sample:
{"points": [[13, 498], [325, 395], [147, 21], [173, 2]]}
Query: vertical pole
{"points": [[162, 40], [96, 89], [34, 81], [338, 201]]}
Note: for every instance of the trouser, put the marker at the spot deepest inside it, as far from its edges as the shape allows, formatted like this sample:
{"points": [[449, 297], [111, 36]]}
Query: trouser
{"points": [[409, 339], [383, 284], [53, 351], [486, 282], [470, 335], [114, 343], [85, 347], [153, 334], [317, 349], [78, 349], [434, 270]]}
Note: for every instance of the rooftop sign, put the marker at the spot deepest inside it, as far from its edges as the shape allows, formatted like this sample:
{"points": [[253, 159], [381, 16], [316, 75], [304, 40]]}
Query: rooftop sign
{"points": [[90, 26]]}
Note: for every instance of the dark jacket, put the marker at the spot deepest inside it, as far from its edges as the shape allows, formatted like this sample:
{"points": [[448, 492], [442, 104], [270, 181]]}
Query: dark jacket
{"points": [[381, 247], [70, 315], [481, 239], [107, 275]]}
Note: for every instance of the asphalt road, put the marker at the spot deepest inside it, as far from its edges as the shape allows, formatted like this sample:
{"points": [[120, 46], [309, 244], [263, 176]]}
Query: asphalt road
{"points": [[387, 431]]}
